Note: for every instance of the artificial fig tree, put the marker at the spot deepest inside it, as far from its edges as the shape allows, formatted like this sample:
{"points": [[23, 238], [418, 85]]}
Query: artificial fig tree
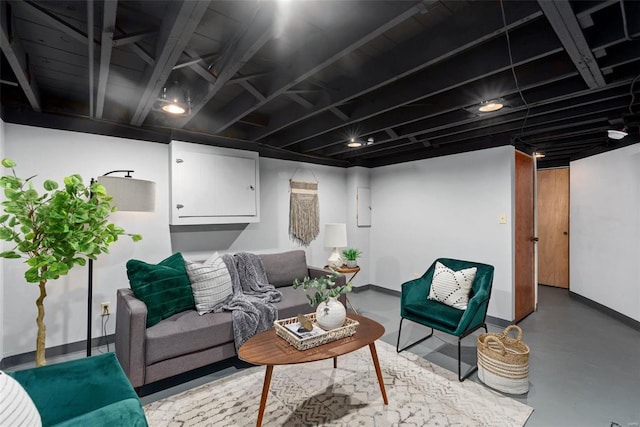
{"points": [[54, 231]]}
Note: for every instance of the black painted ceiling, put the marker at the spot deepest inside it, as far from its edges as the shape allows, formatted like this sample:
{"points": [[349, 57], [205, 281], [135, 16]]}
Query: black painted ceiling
{"points": [[298, 79]]}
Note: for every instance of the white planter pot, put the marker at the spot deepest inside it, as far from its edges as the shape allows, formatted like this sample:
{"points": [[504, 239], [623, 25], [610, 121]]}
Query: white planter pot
{"points": [[352, 264], [330, 314]]}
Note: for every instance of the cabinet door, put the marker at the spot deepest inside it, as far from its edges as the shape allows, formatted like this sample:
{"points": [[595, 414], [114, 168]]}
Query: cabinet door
{"points": [[211, 188]]}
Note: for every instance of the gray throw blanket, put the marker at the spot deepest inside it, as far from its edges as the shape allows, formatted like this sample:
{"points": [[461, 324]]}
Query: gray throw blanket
{"points": [[251, 302]]}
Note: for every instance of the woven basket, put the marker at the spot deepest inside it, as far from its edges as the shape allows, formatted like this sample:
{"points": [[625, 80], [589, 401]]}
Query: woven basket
{"points": [[503, 362]]}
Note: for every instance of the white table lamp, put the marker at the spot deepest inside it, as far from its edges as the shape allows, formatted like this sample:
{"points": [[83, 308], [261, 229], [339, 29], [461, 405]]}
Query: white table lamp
{"points": [[335, 236]]}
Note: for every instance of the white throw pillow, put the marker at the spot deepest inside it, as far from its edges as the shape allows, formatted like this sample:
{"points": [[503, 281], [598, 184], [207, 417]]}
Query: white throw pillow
{"points": [[16, 407], [452, 287], [210, 282]]}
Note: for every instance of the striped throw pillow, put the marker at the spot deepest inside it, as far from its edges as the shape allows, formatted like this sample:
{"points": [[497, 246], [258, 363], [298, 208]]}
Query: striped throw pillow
{"points": [[210, 282], [16, 407], [452, 287]]}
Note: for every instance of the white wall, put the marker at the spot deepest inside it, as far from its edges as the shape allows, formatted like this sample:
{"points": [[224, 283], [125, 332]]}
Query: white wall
{"points": [[445, 207], [358, 237], [55, 154], [421, 210], [272, 232], [605, 229]]}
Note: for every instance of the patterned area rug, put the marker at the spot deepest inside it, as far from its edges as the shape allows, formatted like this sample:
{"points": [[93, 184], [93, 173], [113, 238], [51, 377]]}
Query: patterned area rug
{"points": [[314, 394]]}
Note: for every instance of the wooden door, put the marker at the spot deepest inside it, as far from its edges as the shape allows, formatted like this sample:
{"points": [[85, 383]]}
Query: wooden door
{"points": [[553, 227], [525, 287]]}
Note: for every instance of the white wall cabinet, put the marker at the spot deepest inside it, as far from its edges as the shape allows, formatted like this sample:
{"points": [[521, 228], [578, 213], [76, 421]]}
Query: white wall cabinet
{"points": [[213, 185]]}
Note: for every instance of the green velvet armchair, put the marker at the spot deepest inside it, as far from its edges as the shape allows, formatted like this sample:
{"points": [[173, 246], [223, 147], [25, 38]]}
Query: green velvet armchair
{"points": [[415, 306], [92, 391]]}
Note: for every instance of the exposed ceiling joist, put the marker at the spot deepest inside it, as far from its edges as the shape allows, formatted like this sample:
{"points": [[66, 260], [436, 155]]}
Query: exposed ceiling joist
{"points": [[419, 87], [566, 26], [339, 114], [252, 90], [143, 54], [249, 41], [351, 39], [177, 29], [195, 63], [51, 19], [299, 100], [18, 60], [106, 45], [448, 40], [126, 39]]}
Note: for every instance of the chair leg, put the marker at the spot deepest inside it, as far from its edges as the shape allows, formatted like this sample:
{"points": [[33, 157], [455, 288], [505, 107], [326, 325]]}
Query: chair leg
{"points": [[398, 349], [474, 367]]}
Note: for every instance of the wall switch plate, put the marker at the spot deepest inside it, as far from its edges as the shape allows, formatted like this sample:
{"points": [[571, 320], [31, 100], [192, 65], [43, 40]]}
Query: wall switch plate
{"points": [[502, 219]]}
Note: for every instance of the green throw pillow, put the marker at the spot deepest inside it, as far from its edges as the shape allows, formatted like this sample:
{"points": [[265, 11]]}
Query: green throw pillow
{"points": [[164, 288]]}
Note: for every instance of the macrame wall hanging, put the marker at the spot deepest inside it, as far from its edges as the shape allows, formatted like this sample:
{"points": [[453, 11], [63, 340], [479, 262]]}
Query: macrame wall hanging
{"points": [[304, 211]]}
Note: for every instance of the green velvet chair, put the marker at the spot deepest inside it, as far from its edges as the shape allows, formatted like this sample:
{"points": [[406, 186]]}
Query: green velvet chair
{"points": [[92, 391], [415, 306]]}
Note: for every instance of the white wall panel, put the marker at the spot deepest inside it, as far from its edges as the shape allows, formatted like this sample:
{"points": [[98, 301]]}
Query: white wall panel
{"points": [[605, 229]]}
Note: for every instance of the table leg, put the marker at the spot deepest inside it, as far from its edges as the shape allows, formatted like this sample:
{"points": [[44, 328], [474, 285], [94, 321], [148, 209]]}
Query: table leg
{"points": [[335, 362], [265, 393], [351, 305], [374, 356]]}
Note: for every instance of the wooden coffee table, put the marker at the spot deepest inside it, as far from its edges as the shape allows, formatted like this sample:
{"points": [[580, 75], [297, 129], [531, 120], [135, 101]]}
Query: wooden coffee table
{"points": [[268, 349]]}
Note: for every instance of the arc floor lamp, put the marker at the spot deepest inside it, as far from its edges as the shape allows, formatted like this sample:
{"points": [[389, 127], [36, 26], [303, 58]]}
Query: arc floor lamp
{"points": [[129, 195]]}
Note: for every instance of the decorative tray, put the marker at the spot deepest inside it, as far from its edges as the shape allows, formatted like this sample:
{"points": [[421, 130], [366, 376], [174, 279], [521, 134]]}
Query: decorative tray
{"points": [[288, 329]]}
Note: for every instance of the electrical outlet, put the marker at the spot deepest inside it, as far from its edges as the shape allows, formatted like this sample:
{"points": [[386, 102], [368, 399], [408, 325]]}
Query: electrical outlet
{"points": [[105, 308]]}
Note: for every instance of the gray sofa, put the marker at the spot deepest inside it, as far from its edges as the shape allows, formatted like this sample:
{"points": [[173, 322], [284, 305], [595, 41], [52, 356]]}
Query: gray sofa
{"points": [[186, 340]]}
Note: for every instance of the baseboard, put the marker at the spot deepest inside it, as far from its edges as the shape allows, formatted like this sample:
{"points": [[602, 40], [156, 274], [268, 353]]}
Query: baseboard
{"points": [[377, 288], [606, 310], [60, 350]]}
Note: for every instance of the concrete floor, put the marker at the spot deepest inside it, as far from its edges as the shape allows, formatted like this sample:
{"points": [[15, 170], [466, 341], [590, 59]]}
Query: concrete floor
{"points": [[584, 364]]}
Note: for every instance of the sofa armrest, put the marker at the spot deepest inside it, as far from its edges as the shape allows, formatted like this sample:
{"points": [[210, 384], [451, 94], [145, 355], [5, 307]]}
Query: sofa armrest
{"points": [[75, 389], [131, 329]]}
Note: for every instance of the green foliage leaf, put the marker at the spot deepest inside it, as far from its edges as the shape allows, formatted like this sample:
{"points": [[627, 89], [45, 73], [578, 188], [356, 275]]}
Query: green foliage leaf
{"points": [[8, 163], [32, 275], [6, 234], [50, 185], [324, 286], [58, 229], [136, 237], [9, 254]]}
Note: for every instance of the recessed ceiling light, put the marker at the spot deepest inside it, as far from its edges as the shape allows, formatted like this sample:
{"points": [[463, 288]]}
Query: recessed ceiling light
{"points": [[616, 134], [354, 144], [538, 155], [490, 106], [370, 140]]}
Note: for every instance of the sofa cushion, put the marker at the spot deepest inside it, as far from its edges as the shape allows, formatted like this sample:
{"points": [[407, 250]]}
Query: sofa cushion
{"points": [[293, 302], [210, 282], [440, 316], [283, 268], [452, 287], [185, 333], [163, 287], [16, 407]]}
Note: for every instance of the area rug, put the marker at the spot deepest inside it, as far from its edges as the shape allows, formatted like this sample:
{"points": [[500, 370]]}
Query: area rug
{"points": [[314, 394]]}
